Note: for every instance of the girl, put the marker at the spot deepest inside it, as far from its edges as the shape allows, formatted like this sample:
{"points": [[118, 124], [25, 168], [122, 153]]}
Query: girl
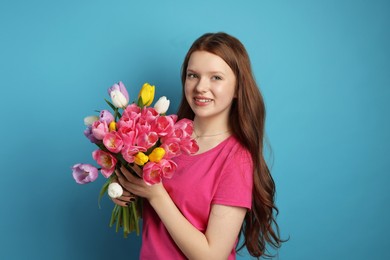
{"points": [[226, 187]]}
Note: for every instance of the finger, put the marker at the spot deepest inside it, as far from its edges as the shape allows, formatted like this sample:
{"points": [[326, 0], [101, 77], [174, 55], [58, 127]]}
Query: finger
{"points": [[118, 173], [127, 193], [124, 183], [122, 171], [127, 196], [138, 170], [135, 171], [120, 202]]}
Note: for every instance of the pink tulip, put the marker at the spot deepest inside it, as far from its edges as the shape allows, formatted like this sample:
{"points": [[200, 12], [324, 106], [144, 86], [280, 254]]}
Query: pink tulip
{"points": [[174, 118], [132, 111], [113, 142], [126, 121], [128, 135], [143, 125], [149, 114], [129, 151], [189, 146], [163, 125], [130, 116], [172, 149], [99, 129], [152, 173], [84, 173], [147, 139], [106, 160], [168, 167], [186, 125]]}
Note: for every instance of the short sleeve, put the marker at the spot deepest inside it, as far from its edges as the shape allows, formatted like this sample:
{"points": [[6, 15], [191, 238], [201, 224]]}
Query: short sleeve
{"points": [[236, 181]]}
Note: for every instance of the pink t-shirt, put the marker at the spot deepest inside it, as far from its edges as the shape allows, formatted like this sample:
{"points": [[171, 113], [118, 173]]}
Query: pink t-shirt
{"points": [[222, 175]]}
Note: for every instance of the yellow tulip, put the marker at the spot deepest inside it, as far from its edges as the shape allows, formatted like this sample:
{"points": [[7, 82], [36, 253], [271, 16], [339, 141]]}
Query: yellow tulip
{"points": [[157, 154], [112, 126], [141, 158], [146, 95]]}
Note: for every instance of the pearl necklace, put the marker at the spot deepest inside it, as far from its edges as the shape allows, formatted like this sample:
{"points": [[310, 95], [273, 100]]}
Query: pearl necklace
{"points": [[211, 135]]}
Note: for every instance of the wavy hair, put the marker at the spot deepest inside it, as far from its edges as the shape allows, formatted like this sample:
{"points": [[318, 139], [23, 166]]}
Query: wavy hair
{"points": [[246, 120]]}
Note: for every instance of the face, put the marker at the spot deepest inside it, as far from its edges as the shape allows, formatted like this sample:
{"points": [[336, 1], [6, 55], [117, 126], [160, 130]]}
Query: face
{"points": [[210, 86]]}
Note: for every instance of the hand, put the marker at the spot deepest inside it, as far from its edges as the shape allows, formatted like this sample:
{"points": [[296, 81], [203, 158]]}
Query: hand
{"points": [[137, 186], [125, 199]]}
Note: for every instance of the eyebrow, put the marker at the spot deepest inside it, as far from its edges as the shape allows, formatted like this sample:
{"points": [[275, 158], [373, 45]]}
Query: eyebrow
{"points": [[209, 72]]}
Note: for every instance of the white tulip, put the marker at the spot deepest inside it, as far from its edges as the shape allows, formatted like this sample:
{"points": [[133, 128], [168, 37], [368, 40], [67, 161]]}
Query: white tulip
{"points": [[115, 190], [162, 105], [118, 99], [90, 119]]}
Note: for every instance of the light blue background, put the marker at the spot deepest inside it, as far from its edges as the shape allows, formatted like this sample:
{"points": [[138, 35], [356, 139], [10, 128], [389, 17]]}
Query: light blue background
{"points": [[324, 70]]}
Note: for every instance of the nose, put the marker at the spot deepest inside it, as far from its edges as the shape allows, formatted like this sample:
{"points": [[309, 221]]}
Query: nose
{"points": [[202, 85]]}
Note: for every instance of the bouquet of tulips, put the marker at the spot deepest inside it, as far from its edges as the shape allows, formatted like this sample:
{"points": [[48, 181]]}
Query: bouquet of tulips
{"points": [[134, 134]]}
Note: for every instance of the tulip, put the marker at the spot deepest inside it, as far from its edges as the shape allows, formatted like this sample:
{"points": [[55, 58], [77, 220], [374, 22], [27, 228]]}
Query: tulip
{"points": [[189, 146], [114, 190], [157, 154], [186, 125], [168, 167], [141, 158], [84, 173], [88, 133], [106, 116], [152, 173], [113, 142], [146, 95], [106, 160], [99, 129], [89, 120], [119, 95], [130, 151], [162, 105], [147, 139], [163, 125], [171, 148], [112, 126]]}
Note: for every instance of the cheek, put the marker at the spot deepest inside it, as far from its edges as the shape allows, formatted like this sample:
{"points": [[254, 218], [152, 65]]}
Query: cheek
{"points": [[187, 91]]}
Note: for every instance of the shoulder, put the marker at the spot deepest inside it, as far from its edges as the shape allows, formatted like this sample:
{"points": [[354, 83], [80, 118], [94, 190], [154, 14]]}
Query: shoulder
{"points": [[237, 151]]}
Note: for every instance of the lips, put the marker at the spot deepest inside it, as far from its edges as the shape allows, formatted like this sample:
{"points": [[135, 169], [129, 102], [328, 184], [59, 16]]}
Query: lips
{"points": [[202, 101]]}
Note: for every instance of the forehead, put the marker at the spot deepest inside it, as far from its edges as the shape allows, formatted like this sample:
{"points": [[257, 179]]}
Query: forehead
{"points": [[207, 61]]}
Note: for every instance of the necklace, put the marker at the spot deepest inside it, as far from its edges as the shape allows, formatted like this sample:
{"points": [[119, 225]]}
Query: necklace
{"points": [[211, 135]]}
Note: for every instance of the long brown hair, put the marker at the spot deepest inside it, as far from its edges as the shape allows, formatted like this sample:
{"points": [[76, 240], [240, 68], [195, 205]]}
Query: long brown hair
{"points": [[247, 118]]}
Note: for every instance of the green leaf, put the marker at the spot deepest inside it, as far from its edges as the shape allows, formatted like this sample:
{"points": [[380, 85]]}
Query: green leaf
{"points": [[140, 103], [110, 104], [103, 190], [119, 219], [114, 215], [135, 217], [126, 219]]}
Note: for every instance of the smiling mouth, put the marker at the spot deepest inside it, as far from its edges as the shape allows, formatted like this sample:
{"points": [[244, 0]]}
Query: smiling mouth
{"points": [[202, 100]]}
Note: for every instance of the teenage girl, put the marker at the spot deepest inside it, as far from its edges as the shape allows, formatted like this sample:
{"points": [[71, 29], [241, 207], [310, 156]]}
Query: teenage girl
{"points": [[226, 187]]}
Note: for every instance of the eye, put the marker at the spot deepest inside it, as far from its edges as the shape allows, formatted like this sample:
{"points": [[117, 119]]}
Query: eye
{"points": [[192, 75], [216, 78]]}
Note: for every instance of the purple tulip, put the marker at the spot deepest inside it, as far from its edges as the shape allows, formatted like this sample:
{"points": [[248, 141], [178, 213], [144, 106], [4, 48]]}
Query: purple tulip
{"points": [[106, 116], [88, 133], [84, 173], [119, 95]]}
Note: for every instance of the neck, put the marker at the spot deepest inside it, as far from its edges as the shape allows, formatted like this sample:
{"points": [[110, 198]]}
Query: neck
{"points": [[209, 128]]}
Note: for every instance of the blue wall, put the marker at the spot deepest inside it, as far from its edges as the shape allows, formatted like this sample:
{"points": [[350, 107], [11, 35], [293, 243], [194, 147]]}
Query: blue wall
{"points": [[323, 67]]}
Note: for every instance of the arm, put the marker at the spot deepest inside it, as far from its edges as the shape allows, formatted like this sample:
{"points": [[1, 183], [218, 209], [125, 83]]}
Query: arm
{"points": [[222, 229]]}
